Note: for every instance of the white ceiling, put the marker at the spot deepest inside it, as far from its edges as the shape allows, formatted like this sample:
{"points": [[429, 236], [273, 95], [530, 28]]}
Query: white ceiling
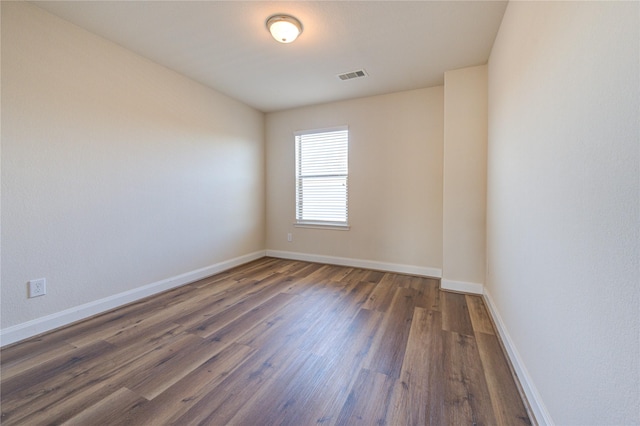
{"points": [[225, 45]]}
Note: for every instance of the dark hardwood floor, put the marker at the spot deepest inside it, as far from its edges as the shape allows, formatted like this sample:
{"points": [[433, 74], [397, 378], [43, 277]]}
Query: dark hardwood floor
{"points": [[271, 342]]}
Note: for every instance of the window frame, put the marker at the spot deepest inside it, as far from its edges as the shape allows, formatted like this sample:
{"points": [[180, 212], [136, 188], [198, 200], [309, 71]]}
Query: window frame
{"points": [[320, 224]]}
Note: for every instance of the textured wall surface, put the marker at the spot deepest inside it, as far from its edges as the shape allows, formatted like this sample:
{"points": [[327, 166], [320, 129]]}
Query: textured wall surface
{"points": [[563, 203], [465, 175], [395, 178], [116, 172]]}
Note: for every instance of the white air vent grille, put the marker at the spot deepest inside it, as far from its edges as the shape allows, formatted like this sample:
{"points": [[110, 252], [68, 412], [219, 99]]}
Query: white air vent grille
{"points": [[352, 74]]}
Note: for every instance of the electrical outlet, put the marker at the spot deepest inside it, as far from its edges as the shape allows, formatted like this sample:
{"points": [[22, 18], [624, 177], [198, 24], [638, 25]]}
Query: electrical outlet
{"points": [[289, 237], [38, 287]]}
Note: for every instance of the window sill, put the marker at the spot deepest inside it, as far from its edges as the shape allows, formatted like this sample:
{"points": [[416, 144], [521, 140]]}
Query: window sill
{"points": [[318, 225]]}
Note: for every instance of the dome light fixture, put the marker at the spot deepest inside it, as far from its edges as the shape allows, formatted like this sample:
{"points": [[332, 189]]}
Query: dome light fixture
{"points": [[284, 28]]}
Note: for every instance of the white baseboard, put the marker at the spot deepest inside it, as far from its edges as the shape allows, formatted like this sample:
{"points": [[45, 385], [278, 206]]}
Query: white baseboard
{"points": [[538, 408], [59, 319], [358, 263], [461, 286]]}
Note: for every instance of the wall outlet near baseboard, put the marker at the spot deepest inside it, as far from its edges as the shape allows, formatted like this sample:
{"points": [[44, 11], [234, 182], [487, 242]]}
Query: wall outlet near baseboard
{"points": [[289, 237], [38, 287]]}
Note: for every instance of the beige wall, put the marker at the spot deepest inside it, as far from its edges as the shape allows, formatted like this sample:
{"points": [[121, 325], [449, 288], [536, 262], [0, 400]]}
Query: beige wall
{"points": [[564, 205], [116, 172], [395, 179], [465, 171]]}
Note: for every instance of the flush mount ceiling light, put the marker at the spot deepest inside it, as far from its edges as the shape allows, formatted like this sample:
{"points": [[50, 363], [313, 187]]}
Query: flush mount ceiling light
{"points": [[284, 28]]}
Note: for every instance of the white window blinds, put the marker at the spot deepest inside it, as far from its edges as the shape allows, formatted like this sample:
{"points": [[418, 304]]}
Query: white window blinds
{"points": [[322, 173]]}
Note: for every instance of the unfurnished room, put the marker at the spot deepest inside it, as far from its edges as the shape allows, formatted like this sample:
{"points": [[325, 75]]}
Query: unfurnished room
{"points": [[320, 212]]}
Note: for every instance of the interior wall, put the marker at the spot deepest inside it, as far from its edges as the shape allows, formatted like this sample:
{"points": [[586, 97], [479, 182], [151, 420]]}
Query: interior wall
{"points": [[464, 179], [116, 172], [395, 179], [563, 204]]}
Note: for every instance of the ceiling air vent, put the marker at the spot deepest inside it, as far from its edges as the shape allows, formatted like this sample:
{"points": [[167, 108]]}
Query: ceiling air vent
{"points": [[352, 74]]}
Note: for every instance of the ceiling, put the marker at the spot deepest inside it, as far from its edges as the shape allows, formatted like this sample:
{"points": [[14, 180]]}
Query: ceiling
{"points": [[225, 45]]}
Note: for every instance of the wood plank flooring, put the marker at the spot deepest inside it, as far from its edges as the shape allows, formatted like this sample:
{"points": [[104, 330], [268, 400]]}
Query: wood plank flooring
{"points": [[271, 342]]}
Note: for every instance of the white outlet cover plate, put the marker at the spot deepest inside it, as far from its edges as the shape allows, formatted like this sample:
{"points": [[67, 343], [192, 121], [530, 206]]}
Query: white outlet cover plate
{"points": [[37, 287]]}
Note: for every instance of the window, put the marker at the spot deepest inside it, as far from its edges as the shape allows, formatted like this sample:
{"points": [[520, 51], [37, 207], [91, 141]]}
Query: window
{"points": [[322, 175]]}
